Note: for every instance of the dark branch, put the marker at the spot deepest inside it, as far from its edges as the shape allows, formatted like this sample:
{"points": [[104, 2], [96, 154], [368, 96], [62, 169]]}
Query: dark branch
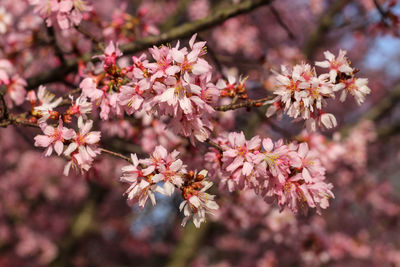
{"points": [[182, 31]]}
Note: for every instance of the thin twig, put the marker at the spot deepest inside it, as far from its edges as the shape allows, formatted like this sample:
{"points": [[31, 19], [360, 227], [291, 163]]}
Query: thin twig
{"points": [[385, 14], [246, 104], [115, 154], [235, 99], [380, 9]]}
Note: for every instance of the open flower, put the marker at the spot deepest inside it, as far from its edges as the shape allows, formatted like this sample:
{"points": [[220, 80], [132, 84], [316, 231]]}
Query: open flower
{"points": [[357, 87], [83, 148], [54, 138], [335, 65]]}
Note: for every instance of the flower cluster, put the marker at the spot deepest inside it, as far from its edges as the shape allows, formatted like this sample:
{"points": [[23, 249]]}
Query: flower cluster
{"points": [[146, 175], [302, 93], [177, 84], [290, 174], [68, 13], [81, 146]]}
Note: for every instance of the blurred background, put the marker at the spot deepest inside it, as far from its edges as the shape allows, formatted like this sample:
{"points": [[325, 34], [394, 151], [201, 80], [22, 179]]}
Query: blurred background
{"points": [[47, 219]]}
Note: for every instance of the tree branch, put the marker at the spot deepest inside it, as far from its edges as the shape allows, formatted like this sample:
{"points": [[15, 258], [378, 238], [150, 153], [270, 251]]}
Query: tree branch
{"points": [[182, 31], [17, 120]]}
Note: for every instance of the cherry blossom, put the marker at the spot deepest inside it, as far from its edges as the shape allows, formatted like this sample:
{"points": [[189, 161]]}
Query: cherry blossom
{"points": [[335, 65], [142, 183], [83, 148], [301, 93], [54, 138]]}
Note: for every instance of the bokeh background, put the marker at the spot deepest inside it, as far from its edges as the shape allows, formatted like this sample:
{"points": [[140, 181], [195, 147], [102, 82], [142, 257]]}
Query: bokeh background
{"points": [[47, 219]]}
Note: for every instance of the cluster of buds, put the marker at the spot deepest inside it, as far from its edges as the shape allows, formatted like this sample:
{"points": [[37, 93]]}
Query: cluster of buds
{"points": [[233, 88]]}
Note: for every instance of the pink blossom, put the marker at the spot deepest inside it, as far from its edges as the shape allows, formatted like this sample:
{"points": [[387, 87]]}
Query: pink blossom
{"points": [[6, 68], [335, 65], [142, 185], [80, 107], [53, 138], [89, 89], [111, 53], [67, 12], [83, 148], [131, 98], [356, 87]]}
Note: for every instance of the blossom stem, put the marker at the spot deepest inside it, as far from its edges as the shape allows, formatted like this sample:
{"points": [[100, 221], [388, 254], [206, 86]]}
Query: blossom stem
{"points": [[116, 154]]}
